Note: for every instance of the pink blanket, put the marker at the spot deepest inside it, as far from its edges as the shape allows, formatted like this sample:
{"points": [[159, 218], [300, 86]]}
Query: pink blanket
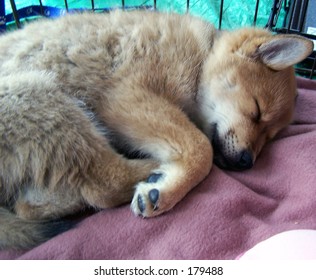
{"points": [[228, 213]]}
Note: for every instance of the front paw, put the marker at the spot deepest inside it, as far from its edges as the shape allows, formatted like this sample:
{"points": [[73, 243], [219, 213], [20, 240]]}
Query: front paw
{"points": [[147, 198], [160, 192]]}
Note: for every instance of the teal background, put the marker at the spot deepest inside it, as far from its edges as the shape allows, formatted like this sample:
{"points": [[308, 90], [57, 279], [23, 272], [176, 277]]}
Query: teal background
{"points": [[236, 13]]}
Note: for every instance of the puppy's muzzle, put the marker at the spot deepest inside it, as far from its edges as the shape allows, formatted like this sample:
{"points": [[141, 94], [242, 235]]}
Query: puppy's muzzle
{"points": [[240, 161], [244, 160], [230, 158]]}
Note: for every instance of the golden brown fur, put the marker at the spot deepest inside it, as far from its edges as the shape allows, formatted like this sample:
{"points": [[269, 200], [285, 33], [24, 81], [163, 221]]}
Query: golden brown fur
{"points": [[76, 91]]}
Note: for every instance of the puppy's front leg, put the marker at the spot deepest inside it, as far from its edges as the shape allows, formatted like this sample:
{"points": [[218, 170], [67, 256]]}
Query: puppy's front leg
{"points": [[154, 125]]}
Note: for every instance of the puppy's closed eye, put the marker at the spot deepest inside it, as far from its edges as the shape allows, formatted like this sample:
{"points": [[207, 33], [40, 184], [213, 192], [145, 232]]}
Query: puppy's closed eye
{"points": [[256, 115]]}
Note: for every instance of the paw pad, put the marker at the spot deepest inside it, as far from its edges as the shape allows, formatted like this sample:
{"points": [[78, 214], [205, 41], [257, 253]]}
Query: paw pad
{"points": [[153, 178], [153, 195], [140, 203]]}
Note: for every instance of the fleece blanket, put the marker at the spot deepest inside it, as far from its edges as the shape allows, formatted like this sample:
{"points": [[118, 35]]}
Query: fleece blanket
{"points": [[225, 215]]}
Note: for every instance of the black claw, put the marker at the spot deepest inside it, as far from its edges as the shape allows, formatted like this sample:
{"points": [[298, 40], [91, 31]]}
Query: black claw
{"points": [[140, 203], [153, 178], [153, 196]]}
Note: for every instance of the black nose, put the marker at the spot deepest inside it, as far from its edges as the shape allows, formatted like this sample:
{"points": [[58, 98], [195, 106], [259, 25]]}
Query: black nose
{"points": [[245, 160]]}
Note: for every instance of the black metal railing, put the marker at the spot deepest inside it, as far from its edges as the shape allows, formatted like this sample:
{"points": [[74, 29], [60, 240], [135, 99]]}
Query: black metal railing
{"points": [[300, 18], [46, 11]]}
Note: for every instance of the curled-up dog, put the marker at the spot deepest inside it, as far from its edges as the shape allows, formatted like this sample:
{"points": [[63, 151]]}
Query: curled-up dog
{"points": [[77, 91]]}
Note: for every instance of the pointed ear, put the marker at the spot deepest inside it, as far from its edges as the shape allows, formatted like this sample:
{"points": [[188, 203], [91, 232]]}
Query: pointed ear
{"points": [[283, 51]]}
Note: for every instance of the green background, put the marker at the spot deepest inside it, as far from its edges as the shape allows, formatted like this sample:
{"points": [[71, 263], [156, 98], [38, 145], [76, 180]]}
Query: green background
{"points": [[236, 13]]}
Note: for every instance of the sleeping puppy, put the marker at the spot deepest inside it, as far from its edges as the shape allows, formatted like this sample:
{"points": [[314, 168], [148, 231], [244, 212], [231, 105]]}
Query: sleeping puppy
{"points": [[75, 91]]}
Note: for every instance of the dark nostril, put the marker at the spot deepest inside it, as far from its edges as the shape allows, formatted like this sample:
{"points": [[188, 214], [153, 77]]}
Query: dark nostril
{"points": [[245, 160]]}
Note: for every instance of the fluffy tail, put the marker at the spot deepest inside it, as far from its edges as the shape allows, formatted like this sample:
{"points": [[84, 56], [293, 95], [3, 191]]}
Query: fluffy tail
{"points": [[17, 233]]}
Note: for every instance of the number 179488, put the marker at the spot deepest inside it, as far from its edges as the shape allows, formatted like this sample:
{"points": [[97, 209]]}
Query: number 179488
{"points": [[200, 270]]}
